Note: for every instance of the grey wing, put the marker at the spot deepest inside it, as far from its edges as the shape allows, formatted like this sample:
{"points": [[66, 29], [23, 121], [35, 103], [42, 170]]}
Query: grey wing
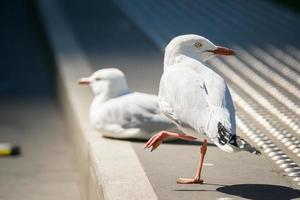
{"points": [[144, 113], [221, 104], [135, 115]]}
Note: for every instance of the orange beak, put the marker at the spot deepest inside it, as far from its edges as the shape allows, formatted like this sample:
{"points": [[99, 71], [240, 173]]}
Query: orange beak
{"points": [[223, 51], [84, 81]]}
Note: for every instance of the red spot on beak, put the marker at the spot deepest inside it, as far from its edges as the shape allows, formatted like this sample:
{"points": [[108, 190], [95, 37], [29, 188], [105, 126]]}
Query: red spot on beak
{"points": [[223, 51], [84, 81]]}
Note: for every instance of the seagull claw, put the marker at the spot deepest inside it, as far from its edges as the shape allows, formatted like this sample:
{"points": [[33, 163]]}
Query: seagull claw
{"points": [[155, 141], [189, 181]]}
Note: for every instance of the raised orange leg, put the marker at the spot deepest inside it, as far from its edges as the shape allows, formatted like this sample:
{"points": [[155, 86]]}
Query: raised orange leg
{"points": [[197, 179], [158, 138]]}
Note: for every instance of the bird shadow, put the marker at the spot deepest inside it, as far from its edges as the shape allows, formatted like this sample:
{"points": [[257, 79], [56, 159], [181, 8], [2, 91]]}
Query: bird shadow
{"points": [[260, 191], [253, 191]]}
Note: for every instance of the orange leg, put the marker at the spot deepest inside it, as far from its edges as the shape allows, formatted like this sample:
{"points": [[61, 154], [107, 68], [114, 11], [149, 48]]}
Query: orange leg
{"points": [[197, 179], [157, 139]]}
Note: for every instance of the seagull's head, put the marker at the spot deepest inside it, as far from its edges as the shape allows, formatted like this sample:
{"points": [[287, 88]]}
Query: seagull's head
{"points": [[194, 46], [108, 81]]}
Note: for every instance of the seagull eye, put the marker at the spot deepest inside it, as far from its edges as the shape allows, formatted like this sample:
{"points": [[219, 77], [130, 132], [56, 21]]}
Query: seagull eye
{"points": [[198, 44], [97, 79]]}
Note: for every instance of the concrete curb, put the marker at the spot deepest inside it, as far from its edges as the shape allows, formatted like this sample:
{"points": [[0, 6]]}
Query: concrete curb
{"points": [[109, 169]]}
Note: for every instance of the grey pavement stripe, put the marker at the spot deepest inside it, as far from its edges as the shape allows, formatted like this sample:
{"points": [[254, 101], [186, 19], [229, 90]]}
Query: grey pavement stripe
{"points": [[272, 62], [268, 73], [268, 122], [284, 57], [264, 97], [294, 51]]}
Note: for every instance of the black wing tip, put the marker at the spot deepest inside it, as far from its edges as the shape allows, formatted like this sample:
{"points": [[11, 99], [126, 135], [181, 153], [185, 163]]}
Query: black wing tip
{"points": [[225, 136], [220, 125]]}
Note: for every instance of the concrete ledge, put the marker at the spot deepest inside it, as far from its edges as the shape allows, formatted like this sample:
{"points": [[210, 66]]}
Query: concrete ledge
{"points": [[109, 169]]}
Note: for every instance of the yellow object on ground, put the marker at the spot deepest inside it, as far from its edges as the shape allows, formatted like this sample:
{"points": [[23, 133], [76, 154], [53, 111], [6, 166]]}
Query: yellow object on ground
{"points": [[7, 149]]}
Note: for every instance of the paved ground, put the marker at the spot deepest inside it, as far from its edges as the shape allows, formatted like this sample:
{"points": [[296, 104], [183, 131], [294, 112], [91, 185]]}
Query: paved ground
{"points": [[110, 39], [235, 176], [29, 115], [44, 170]]}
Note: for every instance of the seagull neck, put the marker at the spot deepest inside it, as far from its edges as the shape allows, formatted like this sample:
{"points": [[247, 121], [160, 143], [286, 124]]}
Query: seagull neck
{"points": [[109, 94], [174, 60], [105, 96], [108, 90], [170, 56], [176, 55], [101, 98]]}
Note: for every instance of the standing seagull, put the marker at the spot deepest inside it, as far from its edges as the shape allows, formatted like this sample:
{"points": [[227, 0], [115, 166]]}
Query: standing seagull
{"points": [[118, 113], [197, 99]]}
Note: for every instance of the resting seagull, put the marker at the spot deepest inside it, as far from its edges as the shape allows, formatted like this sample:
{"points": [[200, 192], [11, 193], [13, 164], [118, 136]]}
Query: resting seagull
{"points": [[197, 99], [118, 113]]}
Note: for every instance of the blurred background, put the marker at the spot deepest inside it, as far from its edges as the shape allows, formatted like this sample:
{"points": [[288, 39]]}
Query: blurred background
{"points": [[131, 35]]}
